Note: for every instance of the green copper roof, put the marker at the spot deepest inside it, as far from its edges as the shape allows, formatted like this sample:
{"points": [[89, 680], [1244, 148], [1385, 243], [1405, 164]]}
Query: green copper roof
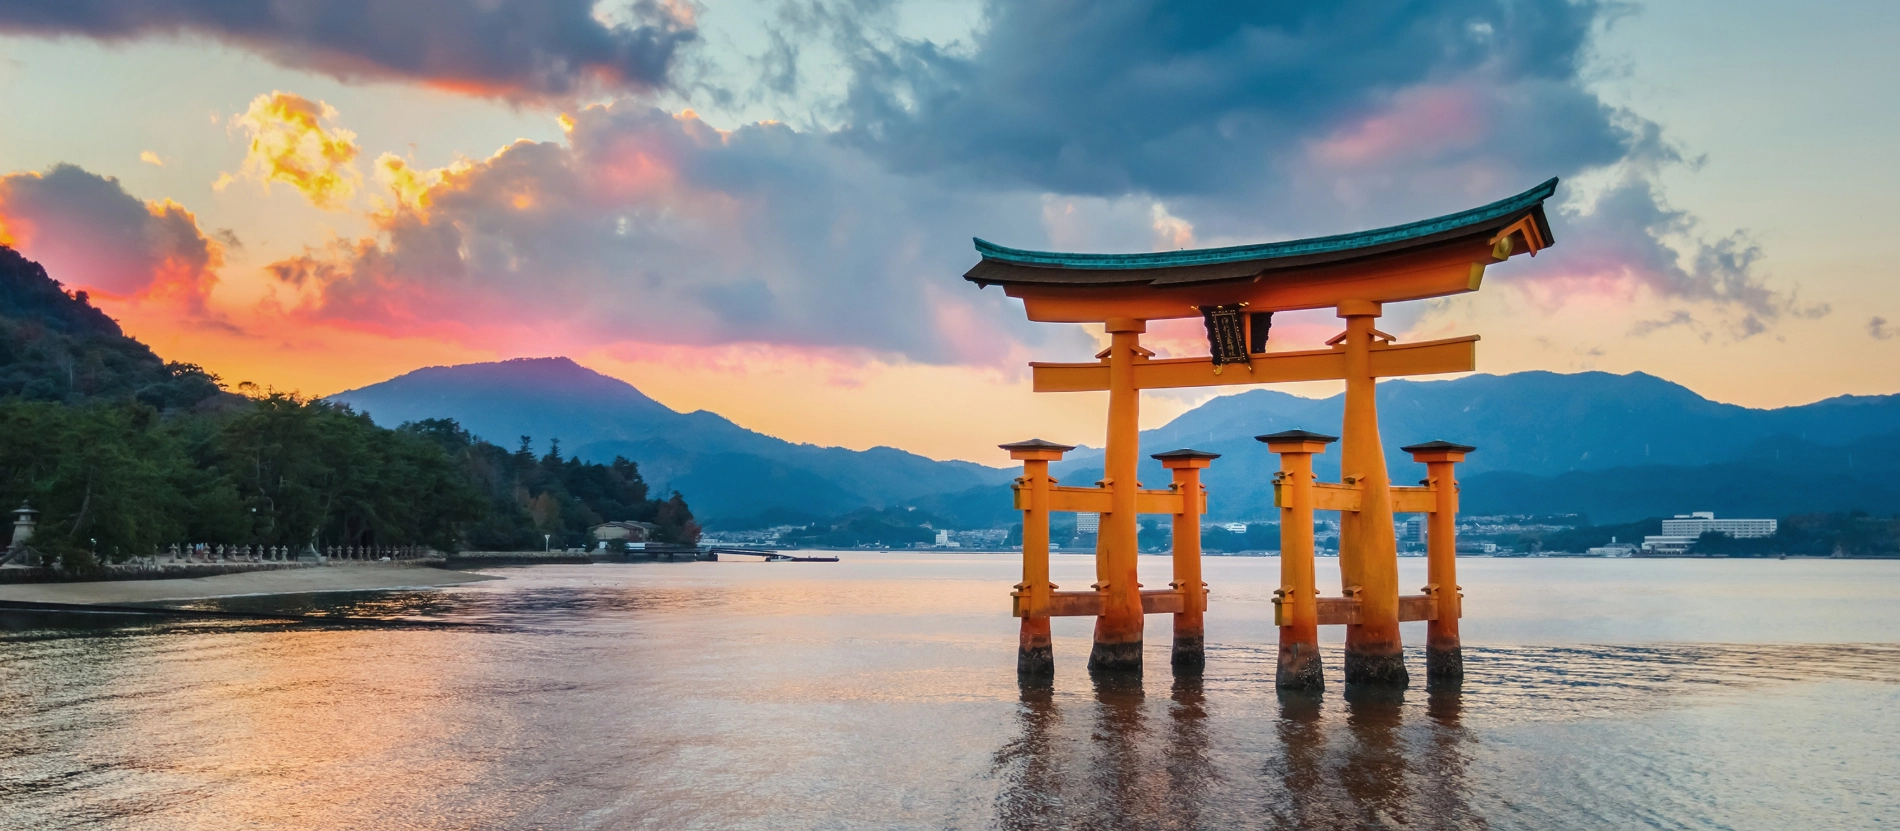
{"points": [[1498, 212]]}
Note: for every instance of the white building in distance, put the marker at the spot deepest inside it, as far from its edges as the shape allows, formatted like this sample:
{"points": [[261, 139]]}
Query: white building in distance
{"points": [[1681, 531], [1088, 523]]}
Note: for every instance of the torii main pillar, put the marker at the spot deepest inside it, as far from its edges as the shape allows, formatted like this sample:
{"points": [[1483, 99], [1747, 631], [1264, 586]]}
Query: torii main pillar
{"points": [[1117, 547], [1368, 559]]}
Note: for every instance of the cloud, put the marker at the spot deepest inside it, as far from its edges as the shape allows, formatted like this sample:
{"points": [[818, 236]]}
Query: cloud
{"points": [[516, 49], [1626, 239], [1148, 125], [291, 146], [93, 235], [151, 158], [1273, 121], [1314, 114], [1878, 328], [647, 226], [1678, 317]]}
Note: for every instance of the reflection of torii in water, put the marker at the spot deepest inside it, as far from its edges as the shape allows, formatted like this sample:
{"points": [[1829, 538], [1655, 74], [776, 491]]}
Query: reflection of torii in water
{"points": [[1235, 290]]}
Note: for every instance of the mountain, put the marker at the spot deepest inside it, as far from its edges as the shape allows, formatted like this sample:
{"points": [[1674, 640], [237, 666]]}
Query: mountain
{"points": [[1613, 446], [1776, 477], [725, 470]]}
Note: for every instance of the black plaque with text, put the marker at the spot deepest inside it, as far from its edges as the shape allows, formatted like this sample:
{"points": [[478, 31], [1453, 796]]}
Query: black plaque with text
{"points": [[1226, 334]]}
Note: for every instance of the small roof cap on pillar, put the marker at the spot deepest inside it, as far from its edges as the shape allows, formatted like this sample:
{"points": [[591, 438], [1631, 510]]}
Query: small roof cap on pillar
{"points": [[1185, 458], [1037, 444], [1296, 441], [1034, 449], [1438, 451], [1185, 453], [24, 511], [1296, 435]]}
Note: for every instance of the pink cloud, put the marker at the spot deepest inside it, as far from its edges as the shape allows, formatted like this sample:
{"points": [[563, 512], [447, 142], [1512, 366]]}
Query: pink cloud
{"points": [[92, 235], [652, 227], [1422, 122]]}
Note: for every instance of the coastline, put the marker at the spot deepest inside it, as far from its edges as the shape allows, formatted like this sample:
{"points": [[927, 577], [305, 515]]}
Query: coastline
{"points": [[356, 577]]}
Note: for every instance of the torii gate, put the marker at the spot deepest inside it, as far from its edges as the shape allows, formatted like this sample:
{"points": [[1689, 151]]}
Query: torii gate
{"points": [[1353, 273]]}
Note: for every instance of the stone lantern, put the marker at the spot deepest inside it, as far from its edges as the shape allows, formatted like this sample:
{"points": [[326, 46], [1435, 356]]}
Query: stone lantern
{"points": [[22, 531], [22, 525]]}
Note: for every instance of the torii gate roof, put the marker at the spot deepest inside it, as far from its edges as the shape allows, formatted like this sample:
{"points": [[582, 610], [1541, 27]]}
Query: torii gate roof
{"points": [[1306, 273]]}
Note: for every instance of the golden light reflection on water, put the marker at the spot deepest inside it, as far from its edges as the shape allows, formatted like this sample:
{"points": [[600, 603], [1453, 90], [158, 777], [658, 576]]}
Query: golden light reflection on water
{"points": [[881, 695]]}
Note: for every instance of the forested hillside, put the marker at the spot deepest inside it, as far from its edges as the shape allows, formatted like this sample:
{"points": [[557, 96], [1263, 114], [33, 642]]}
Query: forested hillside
{"points": [[122, 453]]}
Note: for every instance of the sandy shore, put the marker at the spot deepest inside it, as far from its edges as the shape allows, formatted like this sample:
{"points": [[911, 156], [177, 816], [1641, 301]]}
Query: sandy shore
{"points": [[293, 581]]}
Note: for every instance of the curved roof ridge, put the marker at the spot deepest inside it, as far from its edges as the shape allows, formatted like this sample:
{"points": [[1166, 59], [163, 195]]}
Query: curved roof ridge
{"points": [[1266, 250]]}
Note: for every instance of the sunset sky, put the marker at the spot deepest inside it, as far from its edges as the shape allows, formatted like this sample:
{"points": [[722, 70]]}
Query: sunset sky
{"points": [[765, 209]]}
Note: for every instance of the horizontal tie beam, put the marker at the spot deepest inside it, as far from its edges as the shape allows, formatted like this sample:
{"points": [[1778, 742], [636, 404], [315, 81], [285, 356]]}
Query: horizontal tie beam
{"points": [[1430, 357], [1097, 500], [1089, 604], [1333, 496], [1344, 611]]}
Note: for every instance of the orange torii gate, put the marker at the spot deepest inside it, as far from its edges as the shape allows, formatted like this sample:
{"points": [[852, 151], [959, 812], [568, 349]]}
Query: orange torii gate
{"points": [[1236, 290]]}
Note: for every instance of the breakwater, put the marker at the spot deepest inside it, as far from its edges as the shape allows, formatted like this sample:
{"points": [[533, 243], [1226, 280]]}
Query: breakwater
{"points": [[479, 559]]}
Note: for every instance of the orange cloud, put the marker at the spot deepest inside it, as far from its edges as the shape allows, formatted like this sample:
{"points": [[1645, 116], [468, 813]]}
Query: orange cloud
{"points": [[290, 145]]}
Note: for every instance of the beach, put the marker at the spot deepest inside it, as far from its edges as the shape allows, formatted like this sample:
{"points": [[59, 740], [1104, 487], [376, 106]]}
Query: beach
{"points": [[354, 577]]}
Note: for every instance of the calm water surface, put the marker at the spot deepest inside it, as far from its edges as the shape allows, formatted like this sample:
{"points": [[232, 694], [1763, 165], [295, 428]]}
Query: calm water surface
{"points": [[880, 693]]}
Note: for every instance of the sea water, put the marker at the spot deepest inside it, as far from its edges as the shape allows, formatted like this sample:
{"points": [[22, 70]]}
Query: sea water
{"points": [[879, 692]]}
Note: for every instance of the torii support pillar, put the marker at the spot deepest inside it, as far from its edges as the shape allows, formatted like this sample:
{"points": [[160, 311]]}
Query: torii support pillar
{"points": [[1296, 602], [1368, 547], [1444, 657], [1035, 654], [1190, 639]]}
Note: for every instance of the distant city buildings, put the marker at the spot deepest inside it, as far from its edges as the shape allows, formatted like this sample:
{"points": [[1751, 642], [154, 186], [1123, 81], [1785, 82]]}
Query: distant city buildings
{"points": [[1412, 530], [1091, 523], [985, 540], [1681, 532]]}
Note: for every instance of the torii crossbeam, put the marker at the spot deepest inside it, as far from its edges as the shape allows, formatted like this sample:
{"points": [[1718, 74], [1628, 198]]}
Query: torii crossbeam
{"points": [[1354, 274]]}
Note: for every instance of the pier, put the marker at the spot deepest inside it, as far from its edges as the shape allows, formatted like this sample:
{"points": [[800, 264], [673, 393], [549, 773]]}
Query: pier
{"points": [[1236, 291]]}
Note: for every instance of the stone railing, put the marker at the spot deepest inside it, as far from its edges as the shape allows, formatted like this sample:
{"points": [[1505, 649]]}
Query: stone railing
{"points": [[220, 553]]}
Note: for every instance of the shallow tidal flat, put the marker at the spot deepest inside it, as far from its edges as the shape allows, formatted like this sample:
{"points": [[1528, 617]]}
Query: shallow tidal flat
{"points": [[879, 692]]}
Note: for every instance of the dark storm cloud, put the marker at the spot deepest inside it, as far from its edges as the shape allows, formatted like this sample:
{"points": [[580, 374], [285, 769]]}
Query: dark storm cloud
{"points": [[1257, 121], [1189, 99], [505, 48]]}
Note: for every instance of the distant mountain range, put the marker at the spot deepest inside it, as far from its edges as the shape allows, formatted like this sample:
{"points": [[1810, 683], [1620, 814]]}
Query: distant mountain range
{"points": [[725, 470], [1615, 447]]}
